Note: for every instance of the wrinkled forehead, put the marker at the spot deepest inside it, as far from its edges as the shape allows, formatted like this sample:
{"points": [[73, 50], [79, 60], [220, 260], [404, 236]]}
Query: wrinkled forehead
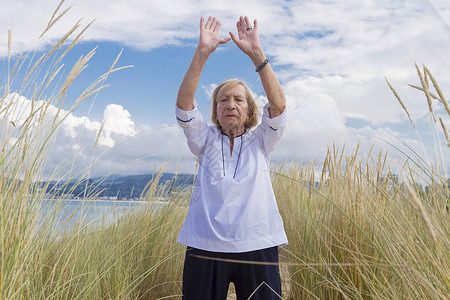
{"points": [[235, 90]]}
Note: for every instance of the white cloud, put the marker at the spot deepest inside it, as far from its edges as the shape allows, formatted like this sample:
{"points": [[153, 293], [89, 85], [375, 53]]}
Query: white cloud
{"points": [[209, 90], [121, 146], [314, 121], [72, 125], [116, 121]]}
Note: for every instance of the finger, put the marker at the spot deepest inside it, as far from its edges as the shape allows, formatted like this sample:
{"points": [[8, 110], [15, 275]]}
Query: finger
{"points": [[242, 25], [208, 23], [215, 24], [202, 21], [233, 37], [238, 27], [255, 25], [224, 40], [247, 23]]}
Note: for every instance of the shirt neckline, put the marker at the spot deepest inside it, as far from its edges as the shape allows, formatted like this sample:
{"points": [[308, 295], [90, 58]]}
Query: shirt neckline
{"points": [[245, 131]]}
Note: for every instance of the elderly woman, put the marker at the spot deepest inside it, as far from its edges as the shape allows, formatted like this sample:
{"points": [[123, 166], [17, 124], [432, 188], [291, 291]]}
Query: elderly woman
{"points": [[233, 228]]}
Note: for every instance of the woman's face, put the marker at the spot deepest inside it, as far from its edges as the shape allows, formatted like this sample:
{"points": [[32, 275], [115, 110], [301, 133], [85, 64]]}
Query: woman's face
{"points": [[232, 109]]}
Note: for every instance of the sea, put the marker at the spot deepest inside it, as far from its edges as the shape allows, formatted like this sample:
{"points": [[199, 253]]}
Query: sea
{"points": [[65, 214]]}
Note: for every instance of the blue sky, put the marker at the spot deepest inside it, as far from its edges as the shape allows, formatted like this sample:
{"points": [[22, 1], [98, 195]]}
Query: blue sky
{"points": [[153, 79], [331, 57]]}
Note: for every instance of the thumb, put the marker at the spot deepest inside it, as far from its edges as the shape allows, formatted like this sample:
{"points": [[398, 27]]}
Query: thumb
{"points": [[224, 40], [233, 37]]}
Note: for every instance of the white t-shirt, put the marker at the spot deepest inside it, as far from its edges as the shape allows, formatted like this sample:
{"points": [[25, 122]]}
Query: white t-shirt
{"points": [[233, 207]]}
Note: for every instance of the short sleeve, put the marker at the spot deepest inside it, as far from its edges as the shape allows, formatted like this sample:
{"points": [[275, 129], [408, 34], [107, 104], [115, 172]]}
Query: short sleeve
{"points": [[194, 127]]}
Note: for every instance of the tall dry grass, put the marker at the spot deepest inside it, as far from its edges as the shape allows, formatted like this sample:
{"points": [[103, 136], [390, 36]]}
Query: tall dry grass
{"points": [[361, 235], [133, 258], [365, 232], [27, 134]]}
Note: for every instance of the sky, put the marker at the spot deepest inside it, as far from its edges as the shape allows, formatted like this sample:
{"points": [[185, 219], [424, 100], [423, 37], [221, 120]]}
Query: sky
{"points": [[331, 57]]}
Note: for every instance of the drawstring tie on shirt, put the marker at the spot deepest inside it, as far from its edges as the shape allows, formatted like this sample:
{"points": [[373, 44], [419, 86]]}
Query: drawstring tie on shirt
{"points": [[239, 157]]}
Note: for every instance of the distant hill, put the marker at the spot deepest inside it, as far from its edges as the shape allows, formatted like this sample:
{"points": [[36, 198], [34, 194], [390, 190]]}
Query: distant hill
{"points": [[116, 186]]}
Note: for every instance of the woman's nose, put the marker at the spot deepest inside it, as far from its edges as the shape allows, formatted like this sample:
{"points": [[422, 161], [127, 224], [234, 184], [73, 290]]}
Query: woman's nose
{"points": [[231, 104]]}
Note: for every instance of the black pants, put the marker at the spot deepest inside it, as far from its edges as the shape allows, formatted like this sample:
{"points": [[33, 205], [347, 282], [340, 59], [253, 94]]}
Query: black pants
{"points": [[207, 275]]}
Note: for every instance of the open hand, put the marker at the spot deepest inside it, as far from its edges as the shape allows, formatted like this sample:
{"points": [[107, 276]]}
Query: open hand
{"points": [[209, 35], [247, 39]]}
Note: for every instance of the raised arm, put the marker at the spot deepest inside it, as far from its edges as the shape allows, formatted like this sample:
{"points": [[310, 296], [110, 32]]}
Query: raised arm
{"points": [[248, 41], [208, 42]]}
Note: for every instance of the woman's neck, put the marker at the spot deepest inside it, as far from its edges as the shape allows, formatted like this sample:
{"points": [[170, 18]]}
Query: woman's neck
{"points": [[232, 133]]}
